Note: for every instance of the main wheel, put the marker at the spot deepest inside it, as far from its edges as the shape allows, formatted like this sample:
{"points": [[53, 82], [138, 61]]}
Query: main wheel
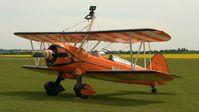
{"points": [[77, 89], [53, 89], [154, 90]]}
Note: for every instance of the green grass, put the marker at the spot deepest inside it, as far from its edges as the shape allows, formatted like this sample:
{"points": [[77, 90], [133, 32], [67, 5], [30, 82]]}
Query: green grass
{"points": [[22, 91]]}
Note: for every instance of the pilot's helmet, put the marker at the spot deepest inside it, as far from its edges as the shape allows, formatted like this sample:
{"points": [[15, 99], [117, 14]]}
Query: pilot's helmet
{"points": [[102, 52]]}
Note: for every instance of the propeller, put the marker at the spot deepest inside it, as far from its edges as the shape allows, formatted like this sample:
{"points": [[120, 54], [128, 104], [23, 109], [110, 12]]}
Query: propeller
{"points": [[48, 53], [51, 54], [38, 54]]}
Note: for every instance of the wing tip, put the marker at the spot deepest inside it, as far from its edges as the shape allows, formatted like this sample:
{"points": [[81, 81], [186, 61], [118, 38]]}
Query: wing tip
{"points": [[35, 67]]}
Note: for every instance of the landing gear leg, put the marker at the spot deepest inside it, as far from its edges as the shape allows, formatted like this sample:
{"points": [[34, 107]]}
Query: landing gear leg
{"points": [[82, 90], [153, 90], [54, 88], [78, 87]]}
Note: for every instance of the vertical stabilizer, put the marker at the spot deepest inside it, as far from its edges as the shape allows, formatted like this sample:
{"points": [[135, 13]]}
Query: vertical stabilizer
{"points": [[158, 63]]}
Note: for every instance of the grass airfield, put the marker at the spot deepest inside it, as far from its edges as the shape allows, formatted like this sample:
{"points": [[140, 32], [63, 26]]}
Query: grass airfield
{"points": [[22, 90]]}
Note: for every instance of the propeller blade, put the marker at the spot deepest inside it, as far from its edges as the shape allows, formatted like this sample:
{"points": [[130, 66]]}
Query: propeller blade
{"points": [[38, 54], [59, 54]]}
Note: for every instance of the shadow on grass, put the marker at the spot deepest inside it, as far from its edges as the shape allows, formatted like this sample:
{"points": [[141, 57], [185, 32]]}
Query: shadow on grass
{"points": [[142, 93], [113, 99]]}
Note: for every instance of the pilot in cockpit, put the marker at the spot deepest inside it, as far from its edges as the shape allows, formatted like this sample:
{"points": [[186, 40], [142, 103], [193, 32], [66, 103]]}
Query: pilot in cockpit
{"points": [[96, 53]]}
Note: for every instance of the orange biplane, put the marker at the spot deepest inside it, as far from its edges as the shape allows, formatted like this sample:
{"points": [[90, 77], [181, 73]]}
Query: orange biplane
{"points": [[67, 56]]}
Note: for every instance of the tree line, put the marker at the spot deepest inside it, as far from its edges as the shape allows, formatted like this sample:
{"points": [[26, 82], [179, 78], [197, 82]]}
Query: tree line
{"points": [[15, 52], [167, 51]]}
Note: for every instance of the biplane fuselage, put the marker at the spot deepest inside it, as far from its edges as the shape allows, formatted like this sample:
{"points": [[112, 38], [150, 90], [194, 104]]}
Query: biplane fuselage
{"points": [[82, 62], [85, 61]]}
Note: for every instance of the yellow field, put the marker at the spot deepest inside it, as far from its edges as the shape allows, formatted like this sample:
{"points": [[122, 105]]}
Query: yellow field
{"points": [[182, 56], [15, 56], [176, 56]]}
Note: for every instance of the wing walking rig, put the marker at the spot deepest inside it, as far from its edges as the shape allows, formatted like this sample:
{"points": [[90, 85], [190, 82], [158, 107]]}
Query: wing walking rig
{"points": [[66, 55]]}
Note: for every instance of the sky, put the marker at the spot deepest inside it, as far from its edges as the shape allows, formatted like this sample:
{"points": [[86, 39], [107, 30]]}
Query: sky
{"points": [[179, 18]]}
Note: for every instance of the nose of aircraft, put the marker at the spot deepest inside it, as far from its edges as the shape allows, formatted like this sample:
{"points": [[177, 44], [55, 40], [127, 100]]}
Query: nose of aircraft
{"points": [[53, 53]]}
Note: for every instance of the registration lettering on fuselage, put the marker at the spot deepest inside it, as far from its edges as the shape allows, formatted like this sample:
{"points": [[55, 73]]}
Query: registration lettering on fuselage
{"points": [[115, 68]]}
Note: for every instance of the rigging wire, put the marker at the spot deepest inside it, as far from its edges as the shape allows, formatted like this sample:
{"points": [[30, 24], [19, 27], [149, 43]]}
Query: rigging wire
{"points": [[107, 46], [75, 25], [84, 28], [124, 48], [97, 23]]}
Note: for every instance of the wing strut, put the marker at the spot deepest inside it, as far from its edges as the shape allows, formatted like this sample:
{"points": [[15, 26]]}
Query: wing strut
{"points": [[138, 53], [144, 55], [37, 60], [36, 53], [150, 55], [131, 53], [31, 43]]}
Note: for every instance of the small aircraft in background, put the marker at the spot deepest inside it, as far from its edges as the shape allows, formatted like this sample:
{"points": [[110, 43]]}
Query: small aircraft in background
{"points": [[66, 54]]}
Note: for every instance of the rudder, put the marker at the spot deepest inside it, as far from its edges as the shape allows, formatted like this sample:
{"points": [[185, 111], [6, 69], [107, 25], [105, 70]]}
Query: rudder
{"points": [[158, 63]]}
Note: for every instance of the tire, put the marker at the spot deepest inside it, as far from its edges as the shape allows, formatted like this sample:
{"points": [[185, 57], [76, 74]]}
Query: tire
{"points": [[154, 90], [77, 89], [52, 89]]}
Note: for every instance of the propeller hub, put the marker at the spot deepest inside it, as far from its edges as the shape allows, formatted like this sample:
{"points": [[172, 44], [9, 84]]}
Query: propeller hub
{"points": [[48, 54]]}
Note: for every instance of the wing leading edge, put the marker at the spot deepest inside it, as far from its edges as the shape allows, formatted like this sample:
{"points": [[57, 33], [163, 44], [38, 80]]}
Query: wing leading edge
{"points": [[40, 69], [113, 36]]}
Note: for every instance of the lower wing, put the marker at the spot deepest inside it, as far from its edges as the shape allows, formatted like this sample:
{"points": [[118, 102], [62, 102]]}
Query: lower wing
{"points": [[131, 76], [41, 69], [145, 77]]}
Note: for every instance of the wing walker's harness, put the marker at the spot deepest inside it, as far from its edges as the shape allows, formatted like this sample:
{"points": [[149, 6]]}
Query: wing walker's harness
{"points": [[91, 13]]}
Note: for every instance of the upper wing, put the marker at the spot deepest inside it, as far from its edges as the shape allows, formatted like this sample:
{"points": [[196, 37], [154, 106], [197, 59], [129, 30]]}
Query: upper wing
{"points": [[113, 36]]}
